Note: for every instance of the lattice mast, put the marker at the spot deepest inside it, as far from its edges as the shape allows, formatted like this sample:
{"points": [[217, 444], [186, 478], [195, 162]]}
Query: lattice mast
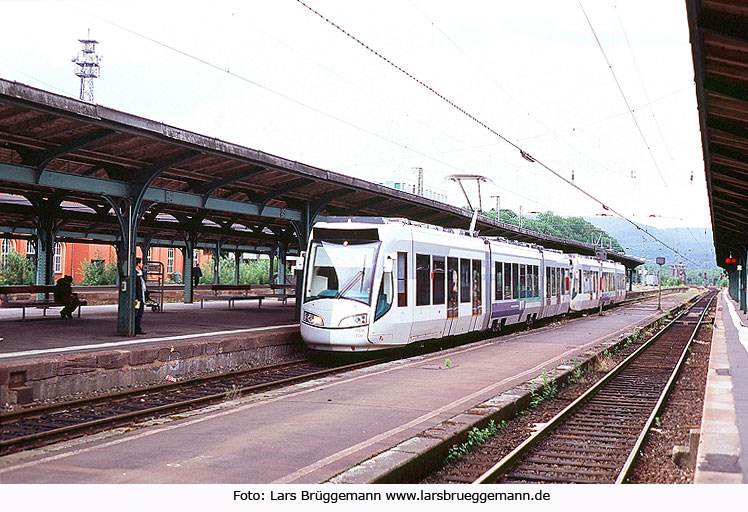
{"points": [[87, 67]]}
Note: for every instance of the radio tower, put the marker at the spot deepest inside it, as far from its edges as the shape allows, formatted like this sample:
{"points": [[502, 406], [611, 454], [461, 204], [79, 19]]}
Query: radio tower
{"points": [[87, 67]]}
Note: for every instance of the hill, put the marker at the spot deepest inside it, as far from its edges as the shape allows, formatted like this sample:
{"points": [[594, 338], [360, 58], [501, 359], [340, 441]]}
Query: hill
{"points": [[696, 244]]}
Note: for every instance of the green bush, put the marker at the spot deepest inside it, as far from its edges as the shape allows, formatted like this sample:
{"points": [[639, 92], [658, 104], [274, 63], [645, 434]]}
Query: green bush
{"points": [[97, 273], [16, 269], [253, 272]]}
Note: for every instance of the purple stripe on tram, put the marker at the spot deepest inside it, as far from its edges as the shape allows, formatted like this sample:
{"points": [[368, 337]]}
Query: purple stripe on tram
{"points": [[501, 309]]}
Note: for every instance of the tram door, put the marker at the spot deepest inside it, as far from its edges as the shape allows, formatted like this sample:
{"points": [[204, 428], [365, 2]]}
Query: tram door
{"points": [[453, 305]]}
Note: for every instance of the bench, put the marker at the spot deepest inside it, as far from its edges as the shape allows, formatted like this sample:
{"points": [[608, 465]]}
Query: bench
{"points": [[33, 303], [216, 288]]}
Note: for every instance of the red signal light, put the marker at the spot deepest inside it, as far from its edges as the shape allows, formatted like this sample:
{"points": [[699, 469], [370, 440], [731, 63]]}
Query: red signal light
{"points": [[727, 260]]}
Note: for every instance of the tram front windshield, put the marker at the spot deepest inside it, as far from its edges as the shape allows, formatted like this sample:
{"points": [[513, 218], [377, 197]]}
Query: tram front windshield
{"points": [[341, 269]]}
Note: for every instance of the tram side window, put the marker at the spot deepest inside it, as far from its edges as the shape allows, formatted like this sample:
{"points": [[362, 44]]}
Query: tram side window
{"points": [[535, 281], [452, 280], [548, 289], [423, 279], [507, 281], [464, 280], [557, 281], [439, 281], [522, 281], [384, 300], [477, 287], [583, 279], [402, 279], [551, 284], [515, 281], [499, 281]]}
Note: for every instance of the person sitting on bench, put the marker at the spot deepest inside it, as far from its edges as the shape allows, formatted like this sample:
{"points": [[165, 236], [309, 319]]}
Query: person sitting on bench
{"points": [[64, 295]]}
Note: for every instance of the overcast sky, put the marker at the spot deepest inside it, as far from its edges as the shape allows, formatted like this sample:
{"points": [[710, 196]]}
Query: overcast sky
{"points": [[276, 77]]}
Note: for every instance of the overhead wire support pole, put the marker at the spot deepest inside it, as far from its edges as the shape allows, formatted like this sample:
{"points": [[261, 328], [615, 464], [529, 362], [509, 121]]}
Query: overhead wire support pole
{"points": [[87, 67]]}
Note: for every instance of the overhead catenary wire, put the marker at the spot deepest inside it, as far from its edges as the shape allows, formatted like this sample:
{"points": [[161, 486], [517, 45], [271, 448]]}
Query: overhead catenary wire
{"points": [[625, 100], [500, 87], [255, 83], [404, 146], [526, 155], [649, 103]]}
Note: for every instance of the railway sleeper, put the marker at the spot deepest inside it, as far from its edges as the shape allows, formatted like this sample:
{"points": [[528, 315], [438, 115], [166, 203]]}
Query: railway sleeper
{"points": [[602, 447], [579, 455], [597, 436], [598, 471], [567, 462], [525, 477], [583, 423]]}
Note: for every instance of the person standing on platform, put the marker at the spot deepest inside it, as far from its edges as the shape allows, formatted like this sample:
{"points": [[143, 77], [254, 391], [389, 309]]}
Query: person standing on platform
{"points": [[197, 274], [139, 295]]}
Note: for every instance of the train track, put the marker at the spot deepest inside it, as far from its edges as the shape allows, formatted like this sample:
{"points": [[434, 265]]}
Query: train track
{"points": [[38, 426], [51, 423], [597, 437]]}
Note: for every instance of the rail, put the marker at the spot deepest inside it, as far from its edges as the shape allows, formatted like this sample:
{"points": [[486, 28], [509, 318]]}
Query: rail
{"points": [[39, 426], [608, 445]]}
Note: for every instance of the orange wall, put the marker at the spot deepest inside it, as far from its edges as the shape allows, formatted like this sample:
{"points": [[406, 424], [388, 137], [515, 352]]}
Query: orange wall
{"points": [[74, 254]]}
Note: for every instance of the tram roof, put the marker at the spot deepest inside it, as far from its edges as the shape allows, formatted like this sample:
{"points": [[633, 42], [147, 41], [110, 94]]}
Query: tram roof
{"points": [[54, 148], [719, 43]]}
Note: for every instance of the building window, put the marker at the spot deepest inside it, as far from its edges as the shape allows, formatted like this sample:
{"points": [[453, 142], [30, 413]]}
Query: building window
{"points": [[57, 261], [170, 260], [5, 249]]}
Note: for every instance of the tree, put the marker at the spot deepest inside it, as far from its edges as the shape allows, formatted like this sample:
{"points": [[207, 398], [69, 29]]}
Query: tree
{"points": [[16, 269], [97, 273], [569, 228], [252, 272]]}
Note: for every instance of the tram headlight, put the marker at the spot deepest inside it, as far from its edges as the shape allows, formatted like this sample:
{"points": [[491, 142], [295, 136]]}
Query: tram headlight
{"points": [[312, 319], [354, 320]]}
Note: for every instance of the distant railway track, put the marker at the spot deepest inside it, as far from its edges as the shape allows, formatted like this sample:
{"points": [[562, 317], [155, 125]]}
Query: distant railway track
{"points": [[42, 425], [597, 437]]}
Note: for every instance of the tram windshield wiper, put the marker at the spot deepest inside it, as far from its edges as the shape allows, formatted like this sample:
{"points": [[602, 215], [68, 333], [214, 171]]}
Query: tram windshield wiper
{"points": [[357, 277]]}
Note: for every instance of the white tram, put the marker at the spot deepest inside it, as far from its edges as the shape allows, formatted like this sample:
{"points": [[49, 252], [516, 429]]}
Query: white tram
{"points": [[596, 282], [375, 283]]}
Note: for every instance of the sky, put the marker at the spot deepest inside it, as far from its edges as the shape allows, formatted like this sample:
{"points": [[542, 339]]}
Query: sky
{"points": [[599, 90]]}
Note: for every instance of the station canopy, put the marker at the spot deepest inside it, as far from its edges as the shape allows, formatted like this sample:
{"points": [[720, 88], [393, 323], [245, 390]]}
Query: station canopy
{"points": [[719, 43], [77, 159]]}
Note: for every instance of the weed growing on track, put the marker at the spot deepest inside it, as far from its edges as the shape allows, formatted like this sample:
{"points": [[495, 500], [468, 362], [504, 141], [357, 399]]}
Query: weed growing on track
{"points": [[476, 437], [635, 335], [577, 373], [548, 390], [233, 393]]}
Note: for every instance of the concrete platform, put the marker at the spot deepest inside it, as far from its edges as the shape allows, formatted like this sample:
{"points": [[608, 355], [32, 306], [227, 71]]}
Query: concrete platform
{"points": [[358, 427], [50, 358], [723, 445]]}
